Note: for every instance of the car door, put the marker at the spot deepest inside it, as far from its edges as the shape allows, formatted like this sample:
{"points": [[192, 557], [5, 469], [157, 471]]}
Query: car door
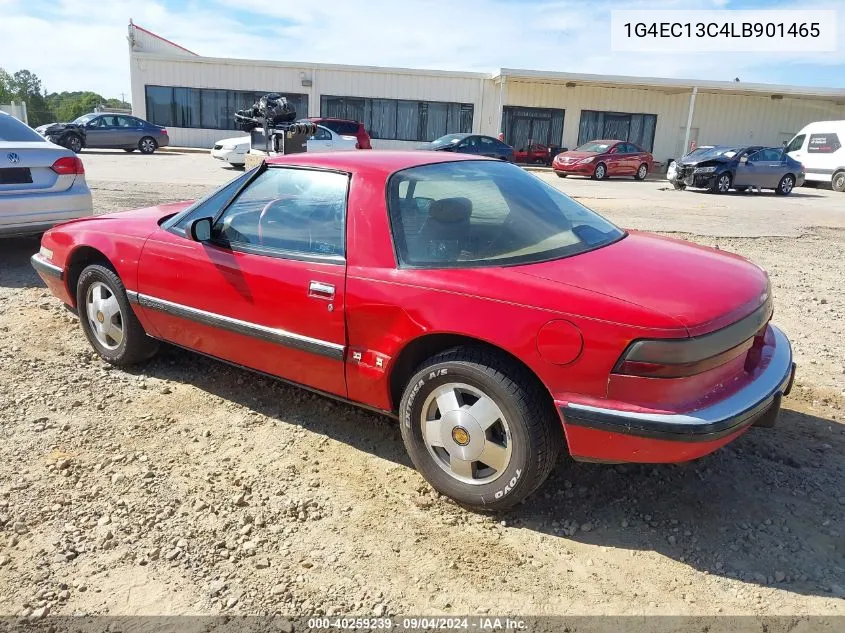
{"points": [[753, 170], [131, 131], [97, 132], [266, 291], [321, 141], [614, 158]]}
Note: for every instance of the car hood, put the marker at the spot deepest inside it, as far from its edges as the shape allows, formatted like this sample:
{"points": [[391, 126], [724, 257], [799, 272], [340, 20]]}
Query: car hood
{"points": [[576, 155], [701, 288], [233, 142], [54, 128], [137, 222]]}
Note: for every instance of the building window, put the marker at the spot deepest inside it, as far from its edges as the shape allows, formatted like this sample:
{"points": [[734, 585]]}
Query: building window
{"points": [[206, 108], [618, 126], [400, 120], [531, 126]]}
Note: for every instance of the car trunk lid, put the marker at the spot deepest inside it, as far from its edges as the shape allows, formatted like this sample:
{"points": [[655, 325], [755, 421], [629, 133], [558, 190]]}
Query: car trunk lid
{"points": [[701, 288], [27, 167]]}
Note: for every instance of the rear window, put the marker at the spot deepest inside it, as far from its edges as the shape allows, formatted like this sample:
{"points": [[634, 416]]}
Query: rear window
{"points": [[15, 131], [344, 128], [823, 144], [487, 213]]}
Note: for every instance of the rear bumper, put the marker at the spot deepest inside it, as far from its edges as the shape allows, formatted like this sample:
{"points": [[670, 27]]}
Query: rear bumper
{"points": [[27, 213], [665, 437], [230, 156]]}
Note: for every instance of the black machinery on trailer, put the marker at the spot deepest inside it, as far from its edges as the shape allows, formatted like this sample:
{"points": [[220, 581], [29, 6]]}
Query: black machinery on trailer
{"points": [[273, 128]]}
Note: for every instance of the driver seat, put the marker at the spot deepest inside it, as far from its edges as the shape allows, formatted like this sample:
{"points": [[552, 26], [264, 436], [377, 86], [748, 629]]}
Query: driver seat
{"points": [[445, 233]]}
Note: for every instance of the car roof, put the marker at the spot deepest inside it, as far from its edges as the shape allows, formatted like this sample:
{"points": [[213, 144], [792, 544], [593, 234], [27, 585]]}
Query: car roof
{"points": [[382, 161], [329, 118]]}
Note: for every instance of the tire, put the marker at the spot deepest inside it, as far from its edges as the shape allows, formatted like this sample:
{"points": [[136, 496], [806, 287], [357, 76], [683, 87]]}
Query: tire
{"points": [[642, 172], [722, 183], [560, 175], [741, 188], [786, 185], [73, 142], [128, 149], [524, 432], [678, 185], [600, 172], [100, 284], [837, 183], [147, 145]]}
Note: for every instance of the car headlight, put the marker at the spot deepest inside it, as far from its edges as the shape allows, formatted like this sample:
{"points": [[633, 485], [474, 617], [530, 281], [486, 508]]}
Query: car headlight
{"points": [[586, 160], [704, 170]]}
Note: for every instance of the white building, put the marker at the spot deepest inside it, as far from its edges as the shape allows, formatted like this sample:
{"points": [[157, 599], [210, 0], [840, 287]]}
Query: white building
{"points": [[195, 97]]}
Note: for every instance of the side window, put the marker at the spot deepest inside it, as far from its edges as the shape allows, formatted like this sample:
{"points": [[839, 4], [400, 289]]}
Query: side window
{"points": [[208, 207], [823, 144], [486, 141], [124, 121], [98, 122], [322, 134], [292, 210], [796, 143]]}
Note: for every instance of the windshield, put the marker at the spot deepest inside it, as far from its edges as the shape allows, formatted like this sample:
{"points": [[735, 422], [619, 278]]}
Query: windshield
{"points": [[487, 213], [449, 139], [723, 152], [594, 146], [15, 131], [82, 120]]}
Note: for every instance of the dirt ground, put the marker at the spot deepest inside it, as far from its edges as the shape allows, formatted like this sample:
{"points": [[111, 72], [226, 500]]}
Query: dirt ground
{"points": [[188, 486]]}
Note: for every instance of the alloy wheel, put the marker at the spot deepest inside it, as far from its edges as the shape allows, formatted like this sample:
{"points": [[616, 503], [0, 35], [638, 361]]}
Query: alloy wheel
{"points": [[104, 315], [148, 146], [642, 171], [466, 433], [786, 185], [600, 172], [724, 183]]}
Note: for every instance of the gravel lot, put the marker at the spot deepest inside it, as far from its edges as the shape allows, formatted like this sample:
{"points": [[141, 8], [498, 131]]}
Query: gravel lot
{"points": [[188, 486]]}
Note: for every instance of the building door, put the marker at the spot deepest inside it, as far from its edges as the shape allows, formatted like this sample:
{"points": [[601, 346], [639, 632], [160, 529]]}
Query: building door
{"points": [[527, 126], [680, 150]]}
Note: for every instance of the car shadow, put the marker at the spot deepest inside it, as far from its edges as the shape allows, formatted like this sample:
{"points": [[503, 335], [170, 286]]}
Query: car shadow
{"points": [[767, 509], [119, 152], [15, 271], [740, 194]]}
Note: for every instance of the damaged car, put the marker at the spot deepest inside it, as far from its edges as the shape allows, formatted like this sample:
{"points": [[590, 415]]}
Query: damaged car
{"points": [[739, 168], [107, 131]]}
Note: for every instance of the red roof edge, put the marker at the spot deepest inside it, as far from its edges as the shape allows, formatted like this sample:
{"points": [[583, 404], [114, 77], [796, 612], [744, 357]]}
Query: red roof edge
{"points": [[163, 39]]}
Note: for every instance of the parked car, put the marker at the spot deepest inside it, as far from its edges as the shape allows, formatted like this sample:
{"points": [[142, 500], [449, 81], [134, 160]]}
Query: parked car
{"points": [[603, 158], [486, 310], [345, 127], [232, 150], [106, 130], [537, 154], [671, 169], [476, 144], [819, 147], [327, 140], [41, 184], [723, 168]]}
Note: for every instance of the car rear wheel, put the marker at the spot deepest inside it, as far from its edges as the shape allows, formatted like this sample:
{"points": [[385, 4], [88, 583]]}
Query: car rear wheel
{"points": [[642, 172], [722, 183], [478, 428], [600, 172], [107, 319], [73, 142], [147, 145], [786, 185], [837, 183]]}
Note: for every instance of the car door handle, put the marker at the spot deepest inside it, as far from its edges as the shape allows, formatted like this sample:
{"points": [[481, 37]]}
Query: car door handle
{"points": [[320, 290]]}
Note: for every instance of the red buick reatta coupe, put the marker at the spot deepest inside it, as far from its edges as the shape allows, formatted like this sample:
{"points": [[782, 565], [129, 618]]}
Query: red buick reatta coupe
{"points": [[498, 319]]}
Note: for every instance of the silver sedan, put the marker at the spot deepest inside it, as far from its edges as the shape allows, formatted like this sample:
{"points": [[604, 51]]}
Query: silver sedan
{"points": [[41, 184]]}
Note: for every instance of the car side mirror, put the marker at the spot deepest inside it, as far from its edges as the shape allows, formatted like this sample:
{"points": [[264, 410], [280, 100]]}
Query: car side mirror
{"points": [[744, 159], [200, 229]]}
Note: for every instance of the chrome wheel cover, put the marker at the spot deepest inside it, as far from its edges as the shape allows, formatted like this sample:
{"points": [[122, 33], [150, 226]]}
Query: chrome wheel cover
{"points": [[104, 315], [466, 433]]}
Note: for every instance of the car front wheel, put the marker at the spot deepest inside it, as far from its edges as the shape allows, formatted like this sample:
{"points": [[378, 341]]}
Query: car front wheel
{"points": [[107, 319], [722, 183], [600, 172], [147, 145], [478, 429], [786, 185], [73, 143]]}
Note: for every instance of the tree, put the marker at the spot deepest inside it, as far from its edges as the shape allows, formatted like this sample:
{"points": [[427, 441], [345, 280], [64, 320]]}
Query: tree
{"points": [[5, 87]]}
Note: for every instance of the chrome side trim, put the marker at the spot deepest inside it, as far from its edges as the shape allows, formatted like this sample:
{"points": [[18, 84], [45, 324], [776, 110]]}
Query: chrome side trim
{"points": [[261, 332], [132, 296], [44, 267], [720, 418]]}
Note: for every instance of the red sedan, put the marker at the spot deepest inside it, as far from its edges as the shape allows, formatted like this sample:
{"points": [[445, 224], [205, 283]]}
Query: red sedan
{"points": [[602, 159], [499, 320]]}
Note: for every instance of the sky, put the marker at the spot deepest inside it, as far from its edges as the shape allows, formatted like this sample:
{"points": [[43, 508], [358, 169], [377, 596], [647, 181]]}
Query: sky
{"points": [[81, 45]]}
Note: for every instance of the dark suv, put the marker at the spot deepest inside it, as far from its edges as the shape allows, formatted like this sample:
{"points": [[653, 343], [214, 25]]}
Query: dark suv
{"points": [[345, 127]]}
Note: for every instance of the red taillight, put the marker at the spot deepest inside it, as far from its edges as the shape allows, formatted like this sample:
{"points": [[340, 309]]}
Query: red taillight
{"points": [[164, 131], [68, 165]]}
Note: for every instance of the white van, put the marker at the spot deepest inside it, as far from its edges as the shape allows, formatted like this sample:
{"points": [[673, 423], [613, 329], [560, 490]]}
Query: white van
{"points": [[820, 147]]}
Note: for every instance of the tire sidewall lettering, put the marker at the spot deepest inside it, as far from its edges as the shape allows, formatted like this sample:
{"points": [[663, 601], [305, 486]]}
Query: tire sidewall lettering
{"points": [[409, 405], [510, 485]]}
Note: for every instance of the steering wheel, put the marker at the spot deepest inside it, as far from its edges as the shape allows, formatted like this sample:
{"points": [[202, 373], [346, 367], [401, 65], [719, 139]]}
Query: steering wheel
{"points": [[275, 207]]}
